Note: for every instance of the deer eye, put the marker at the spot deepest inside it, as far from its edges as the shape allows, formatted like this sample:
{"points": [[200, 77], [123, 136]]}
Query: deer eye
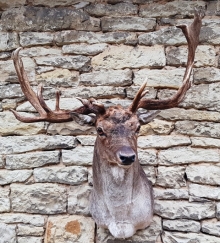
{"points": [[100, 131], [138, 129]]}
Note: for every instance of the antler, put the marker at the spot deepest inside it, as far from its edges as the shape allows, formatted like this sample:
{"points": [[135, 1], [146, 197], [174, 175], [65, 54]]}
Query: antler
{"points": [[37, 101], [191, 33]]}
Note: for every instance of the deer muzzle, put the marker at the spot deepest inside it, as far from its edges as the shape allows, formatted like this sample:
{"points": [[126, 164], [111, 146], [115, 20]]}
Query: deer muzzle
{"points": [[126, 155]]}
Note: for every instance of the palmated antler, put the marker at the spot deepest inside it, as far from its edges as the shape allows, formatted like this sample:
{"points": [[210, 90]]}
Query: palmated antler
{"points": [[37, 101], [191, 33]]}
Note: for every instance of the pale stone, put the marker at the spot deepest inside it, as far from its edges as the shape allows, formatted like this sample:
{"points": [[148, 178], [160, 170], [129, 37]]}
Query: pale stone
{"points": [[118, 9], [29, 239], [205, 55], [52, 3], [168, 9], [160, 78], [86, 140], [43, 198], [132, 91], [128, 24], [218, 210], [8, 41], [81, 155], [205, 142], [8, 74], [72, 36], [4, 4], [183, 209], [150, 234], [44, 69], [194, 128], [71, 175], [8, 177], [187, 155], [107, 77], [206, 74], [161, 127], [181, 225], [69, 62], [73, 228], [119, 57], [205, 191], [2, 162], [11, 91], [9, 125], [36, 38], [39, 51], [4, 200], [84, 49], [174, 114], [211, 228], [204, 174], [23, 230], [170, 193], [163, 141], [172, 176], [12, 218], [147, 156], [78, 199], [8, 104], [8, 233], [21, 144], [150, 173]]}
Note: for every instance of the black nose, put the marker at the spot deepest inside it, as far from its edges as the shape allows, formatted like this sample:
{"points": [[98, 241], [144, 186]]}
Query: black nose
{"points": [[127, 160]]}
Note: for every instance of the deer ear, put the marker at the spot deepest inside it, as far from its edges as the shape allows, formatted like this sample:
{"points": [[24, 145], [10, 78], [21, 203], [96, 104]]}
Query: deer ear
{"points": [[147, 116], [83, 119]]}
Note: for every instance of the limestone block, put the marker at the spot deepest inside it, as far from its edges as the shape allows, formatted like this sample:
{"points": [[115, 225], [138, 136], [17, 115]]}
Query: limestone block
{"points": [[181, 225], [119, 57], [36, 38], [183, 8], [204, 174], [44, 69], [29, 239], [9, 125], [205, 55], [170, 193], [4, 4], [205, 191], [132, 91], [205, 142], [211, 227], [39, 51], [78, 200], [21, 144], [24, 230], [84, 49], [127, 24], [73, 228], [184, 210], [2, 162], [118, 9], [163, 141], [24, 19], [160, 78], [8, 233], [175, 114], [193, 128], [107, 77], [147, 156], [69, 62], [218, 210], [206, 74], [8, 41], [150, 173], [29, 219], [172, 176], [81, 155], [86, 140], [166, 36], [71, 175], [72, 36], [42, 198], [150, 234], [187, 155], [4, 200], [161, 127], [8, 177], [8, 104], [57, 3], [10, 91]]}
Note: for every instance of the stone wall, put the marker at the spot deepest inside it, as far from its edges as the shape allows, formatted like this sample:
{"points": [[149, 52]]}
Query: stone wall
{"points": [[105, 49]]}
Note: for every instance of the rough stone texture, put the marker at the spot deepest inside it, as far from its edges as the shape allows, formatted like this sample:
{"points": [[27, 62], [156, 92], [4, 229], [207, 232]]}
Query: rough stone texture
{"points": [[210, 227], [42, 198], [204, 191], [8, 41], [73, 228], [8, 233], [23, 230], [147, 156], [109, 77], [71, 175], [184, 209], [204, 174], [181, 225], [51, 3], [36, 38], [120, 57], [39, 51], [170, 193], [206, 75], [83, 49], [8, 177], [28, 239], [4, 200], [205, 142]]}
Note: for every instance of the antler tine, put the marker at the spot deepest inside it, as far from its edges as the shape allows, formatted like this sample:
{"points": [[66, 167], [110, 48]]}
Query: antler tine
{"points": [[191, 33]]}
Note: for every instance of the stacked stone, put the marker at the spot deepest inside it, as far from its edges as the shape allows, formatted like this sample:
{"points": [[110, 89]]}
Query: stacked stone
{"points": [[105, 50]]}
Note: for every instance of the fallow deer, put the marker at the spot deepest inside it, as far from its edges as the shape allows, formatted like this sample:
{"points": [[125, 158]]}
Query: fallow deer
{"points": [[122, 197]]}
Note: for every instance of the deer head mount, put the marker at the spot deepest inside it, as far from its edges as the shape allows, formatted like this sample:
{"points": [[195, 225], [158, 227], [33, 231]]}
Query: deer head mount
{"points": [[121, 199]]}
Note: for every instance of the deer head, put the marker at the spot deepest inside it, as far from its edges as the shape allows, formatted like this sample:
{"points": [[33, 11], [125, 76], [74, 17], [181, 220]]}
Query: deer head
{"points": [[116, 144]]}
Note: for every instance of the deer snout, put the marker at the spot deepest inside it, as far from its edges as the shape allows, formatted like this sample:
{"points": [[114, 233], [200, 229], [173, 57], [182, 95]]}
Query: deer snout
{"points": [[126, 155]]}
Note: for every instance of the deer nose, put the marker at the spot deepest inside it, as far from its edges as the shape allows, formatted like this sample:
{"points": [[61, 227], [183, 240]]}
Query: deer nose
{"points": [[127, 160], [126, 155]]}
